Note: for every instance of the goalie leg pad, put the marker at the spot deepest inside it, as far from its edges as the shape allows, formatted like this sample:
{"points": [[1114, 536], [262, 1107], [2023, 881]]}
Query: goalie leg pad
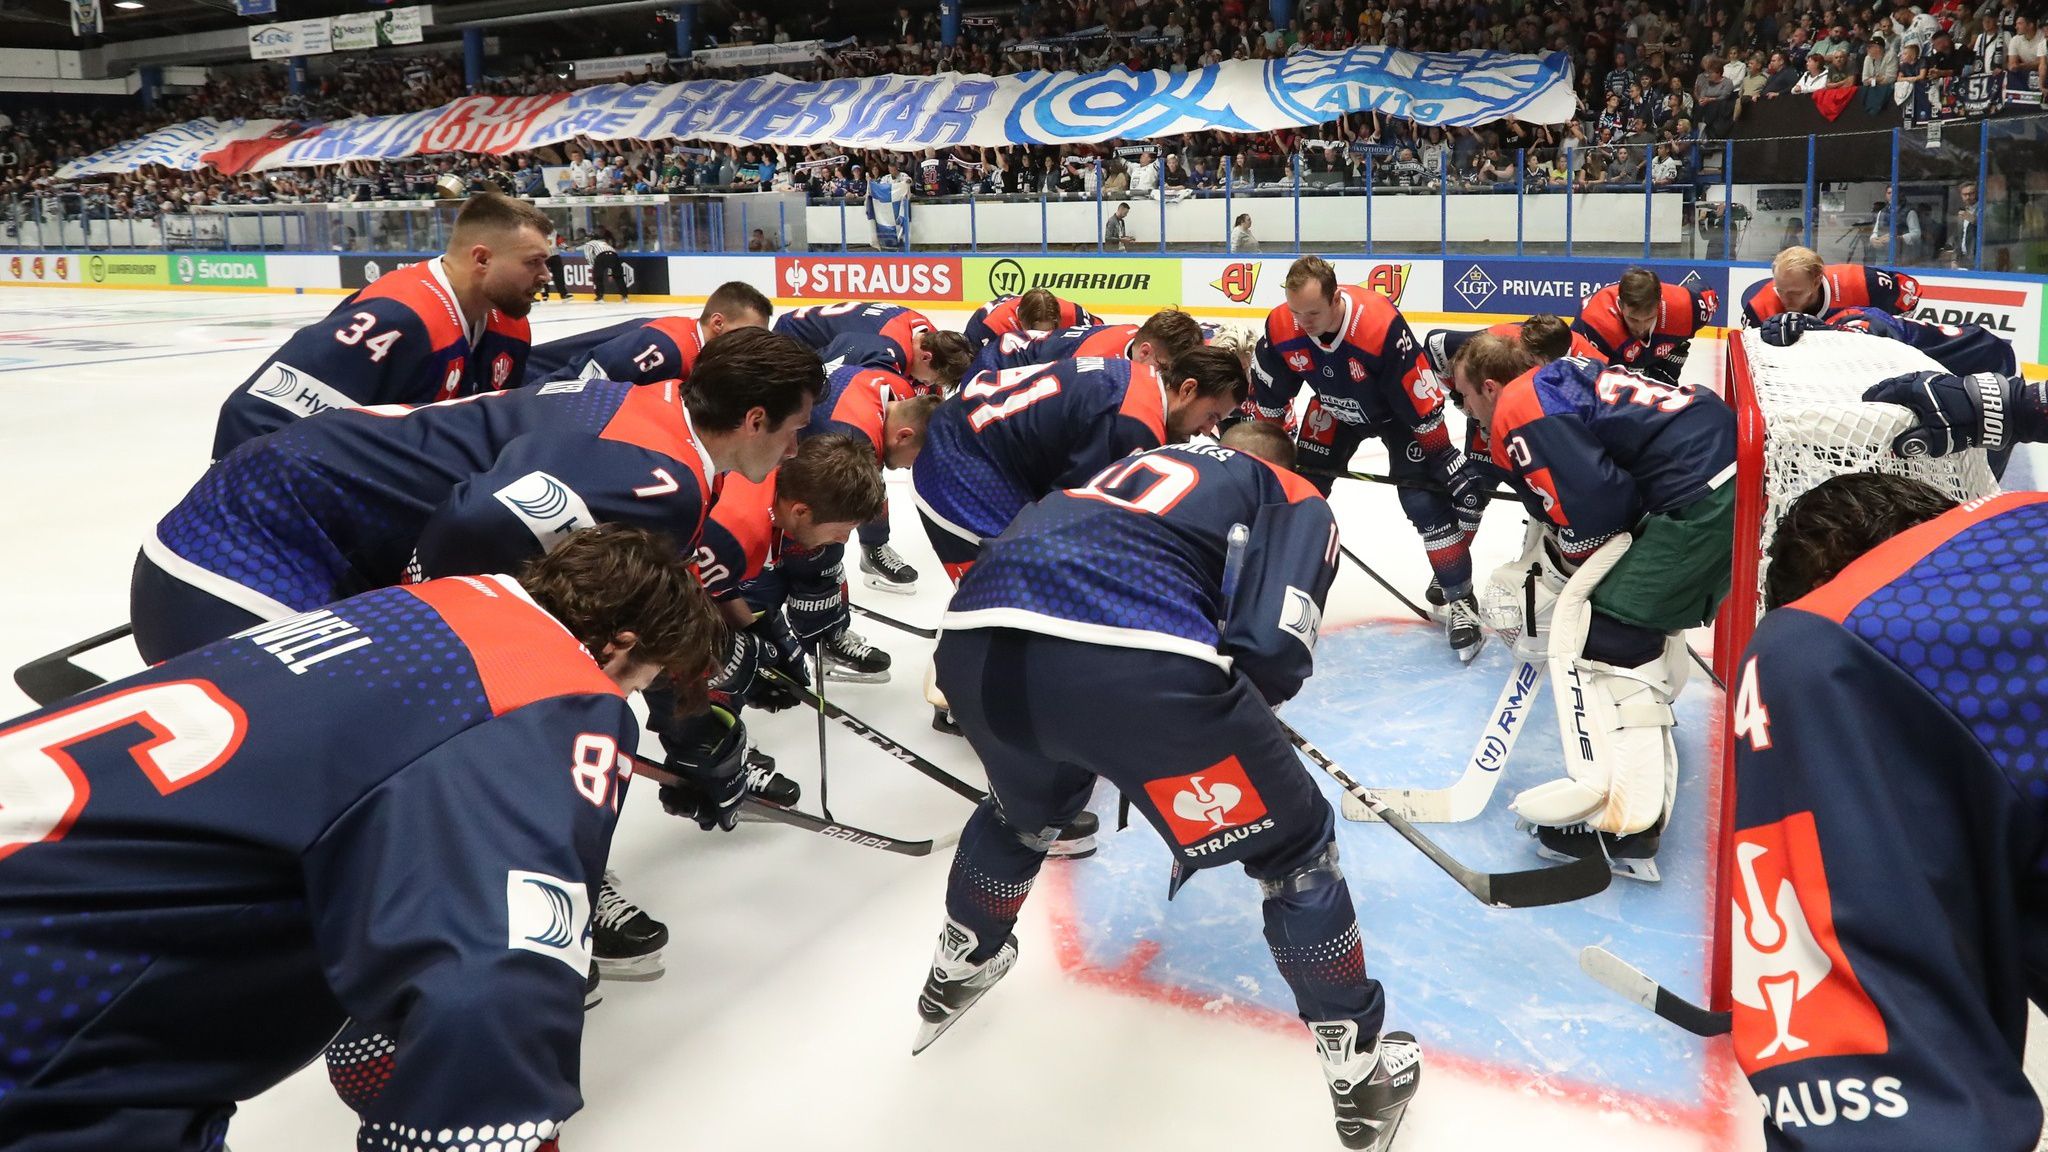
{"points": [[1615, 723]]}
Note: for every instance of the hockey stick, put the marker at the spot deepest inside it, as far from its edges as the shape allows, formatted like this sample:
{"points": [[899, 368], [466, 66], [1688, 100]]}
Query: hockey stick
{"points": [[1469, 796], [1381, 581], [48, 679], [776, 813], [1629, 982], [900, 626], [1395, 482], [1533, 888], [824, 778], [869, 734]]}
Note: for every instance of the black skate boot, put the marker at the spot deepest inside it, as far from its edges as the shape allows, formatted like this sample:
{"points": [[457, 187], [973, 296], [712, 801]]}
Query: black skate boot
{"points": [[625, 941], [1434, 594], [767, 784], [1632, 857], [1077, 839], [942, 721], [886, 571], [592, 996], [1461, 624], [849, 658], [956, 982], [1370, 1088]]}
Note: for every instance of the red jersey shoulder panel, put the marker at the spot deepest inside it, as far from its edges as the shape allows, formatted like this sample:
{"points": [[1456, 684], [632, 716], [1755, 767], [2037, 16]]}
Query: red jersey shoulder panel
{"points": [[747, 511], [417, 289], [651, 417], [1281, 326], [1112, 341], [864, 402], [1001, 317], [1890, 560], [1518, 407], [1298, 490], [1072, 314], [1145, 399], [511, 327], [521, 653], [1602, 313], [1371, 315]]}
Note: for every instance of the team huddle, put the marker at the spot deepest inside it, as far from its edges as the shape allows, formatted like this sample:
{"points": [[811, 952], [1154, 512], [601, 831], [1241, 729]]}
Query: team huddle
{"points": [[421, 524]]}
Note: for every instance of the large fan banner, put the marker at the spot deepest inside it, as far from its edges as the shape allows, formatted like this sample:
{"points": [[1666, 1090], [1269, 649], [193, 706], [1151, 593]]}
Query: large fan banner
{"points": [[901, 112]]}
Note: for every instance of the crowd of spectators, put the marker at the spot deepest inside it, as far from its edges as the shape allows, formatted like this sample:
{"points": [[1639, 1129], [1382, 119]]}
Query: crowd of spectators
{"points": [[1657, 80]]}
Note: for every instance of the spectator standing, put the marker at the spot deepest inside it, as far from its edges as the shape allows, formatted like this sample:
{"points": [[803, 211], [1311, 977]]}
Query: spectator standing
{"points": [[1144, 175], [1714, 100], [1962, 232], [1116, 232], [582, 173], [2026, 55], [1880, 73], [1241, 239], [1987, 48]]}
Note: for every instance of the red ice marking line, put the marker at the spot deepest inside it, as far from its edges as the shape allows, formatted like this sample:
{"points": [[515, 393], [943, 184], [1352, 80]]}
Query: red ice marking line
{"points": [[1714, 1115]]}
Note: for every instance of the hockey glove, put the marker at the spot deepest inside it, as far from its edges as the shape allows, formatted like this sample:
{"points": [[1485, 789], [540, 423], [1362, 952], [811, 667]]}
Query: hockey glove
{"points": [[1787, 327], [744, 657], [783, 655], [1870, 322], [818, 610], [1470, 484], [1950, 412], [709, 764]]}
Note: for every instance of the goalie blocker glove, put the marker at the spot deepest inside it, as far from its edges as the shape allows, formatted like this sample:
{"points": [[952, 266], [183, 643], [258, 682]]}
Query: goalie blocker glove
{"points": [[1951, 413]]}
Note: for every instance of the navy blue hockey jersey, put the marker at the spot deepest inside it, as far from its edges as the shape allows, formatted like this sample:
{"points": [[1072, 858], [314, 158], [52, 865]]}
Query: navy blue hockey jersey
{"points": [[1017, 349], [1887, 927], [1371, 371], [998, 318], [1593, 450], [1964, 351], [818, 326], [1682, 310], [856, 403], [1841, 286], [206, 868], [359, 498], [636, 352], [1012, 437], [402, 340], [1135, 559]]}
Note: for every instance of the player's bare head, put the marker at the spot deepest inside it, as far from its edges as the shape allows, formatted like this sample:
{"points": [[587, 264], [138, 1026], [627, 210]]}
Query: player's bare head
{"points": [[628, 597], [1161, 339], [502, 246], [1311, 286], [1641, 296], [1038, 311], [945, 359], [748, 397], [1837, 521], [903, 428], [1203, 385], [1796, 275], [830, 487], [1486, 364], [1546, 337], [1264, 439], [735, 304]]}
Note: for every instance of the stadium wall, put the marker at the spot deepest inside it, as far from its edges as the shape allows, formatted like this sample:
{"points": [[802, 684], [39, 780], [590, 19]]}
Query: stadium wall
{"points": [[1431, 290]]}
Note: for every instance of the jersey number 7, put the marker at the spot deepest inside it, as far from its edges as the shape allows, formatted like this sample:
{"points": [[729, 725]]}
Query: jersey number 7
{"points": [[192, 729]]}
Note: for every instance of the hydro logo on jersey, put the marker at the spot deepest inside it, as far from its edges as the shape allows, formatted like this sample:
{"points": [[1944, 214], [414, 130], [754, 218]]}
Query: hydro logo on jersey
{"points": [[297, 391], [549, 508], [548, 916]]}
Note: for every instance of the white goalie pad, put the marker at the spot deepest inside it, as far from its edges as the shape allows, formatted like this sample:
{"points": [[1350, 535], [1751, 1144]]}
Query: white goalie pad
{"points": [[1505, 600], [1615, 723]]}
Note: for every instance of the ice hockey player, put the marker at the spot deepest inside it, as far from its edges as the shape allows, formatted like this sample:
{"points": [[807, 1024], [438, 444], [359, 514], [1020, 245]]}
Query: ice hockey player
{"points": [[1645, 324], [765, 551], [888, 415], [1351, 346], [648, 351], [1544, 336], [1165, 334], [1086, 644], [887, 336], [444, 328], [1011, 437], [1035, 313], [249, 871], [1801, 283], [360, 498], [1887, 728], [1632, 476]]}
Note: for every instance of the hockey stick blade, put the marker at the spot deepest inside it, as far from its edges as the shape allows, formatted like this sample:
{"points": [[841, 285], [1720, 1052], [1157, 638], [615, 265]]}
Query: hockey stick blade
{"points": [[1382, 582], [1627, 981], [900, 626], [776, 813], [1473, 791], [1533, 888], [48, 679], [861, 729]]}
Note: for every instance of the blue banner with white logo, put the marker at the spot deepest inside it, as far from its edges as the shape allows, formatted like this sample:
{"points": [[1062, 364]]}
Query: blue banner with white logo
{"points": [[1528, 287]]}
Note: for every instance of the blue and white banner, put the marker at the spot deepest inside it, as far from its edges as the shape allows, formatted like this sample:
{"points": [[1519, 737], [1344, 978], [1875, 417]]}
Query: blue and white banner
{"points": [[902, 113]]}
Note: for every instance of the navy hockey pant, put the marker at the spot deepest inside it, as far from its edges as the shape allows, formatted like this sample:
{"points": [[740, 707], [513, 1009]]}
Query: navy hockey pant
{"points": [[171, 617], [1194, 749], [1329, 444]]}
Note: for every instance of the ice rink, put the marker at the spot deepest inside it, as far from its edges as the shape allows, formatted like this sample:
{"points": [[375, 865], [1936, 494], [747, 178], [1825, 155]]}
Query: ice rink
{"points": [[785, 1016]]}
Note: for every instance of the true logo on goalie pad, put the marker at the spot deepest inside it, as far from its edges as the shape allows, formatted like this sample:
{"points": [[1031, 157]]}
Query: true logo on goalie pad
{"points": [[549, 916]]}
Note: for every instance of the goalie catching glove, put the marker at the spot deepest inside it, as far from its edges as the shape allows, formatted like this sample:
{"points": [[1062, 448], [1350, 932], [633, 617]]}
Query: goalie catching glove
{"points": [[1615, 723]]}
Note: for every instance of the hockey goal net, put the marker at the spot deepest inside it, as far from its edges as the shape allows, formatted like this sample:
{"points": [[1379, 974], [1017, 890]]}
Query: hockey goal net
{"points": [[1800, 419]]}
